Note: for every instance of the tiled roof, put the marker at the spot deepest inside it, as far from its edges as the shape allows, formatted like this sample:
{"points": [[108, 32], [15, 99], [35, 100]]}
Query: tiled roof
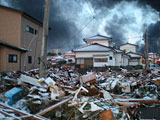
{"points": [[128, 44], [93, 48], [98, 37]]}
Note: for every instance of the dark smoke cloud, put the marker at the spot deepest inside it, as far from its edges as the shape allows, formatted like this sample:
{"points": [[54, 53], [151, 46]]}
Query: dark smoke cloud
{"points": [[67, 18], [154, 37], [116, 27], [153, 3]]}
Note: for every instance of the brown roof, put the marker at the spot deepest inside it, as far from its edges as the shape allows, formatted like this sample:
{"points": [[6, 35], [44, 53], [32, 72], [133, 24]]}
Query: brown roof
{"points": [[12, 46]]}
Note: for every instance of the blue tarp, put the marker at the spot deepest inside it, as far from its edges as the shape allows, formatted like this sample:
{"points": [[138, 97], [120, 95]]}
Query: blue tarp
{"points": [[13, 95]]}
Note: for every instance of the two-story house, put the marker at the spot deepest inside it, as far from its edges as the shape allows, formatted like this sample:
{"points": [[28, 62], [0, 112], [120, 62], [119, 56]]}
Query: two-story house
{"points": [[131, 50], [99, 52], [20, 40]]}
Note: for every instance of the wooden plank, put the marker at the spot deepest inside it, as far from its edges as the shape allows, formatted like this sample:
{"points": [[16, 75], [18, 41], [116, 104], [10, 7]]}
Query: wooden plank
{"points": [[9, 115], [54, 106], [35, 117]]}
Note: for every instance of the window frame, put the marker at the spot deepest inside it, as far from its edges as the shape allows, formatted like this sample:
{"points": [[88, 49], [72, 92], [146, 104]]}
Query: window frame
{"points": [[39, 60], [31, 30], [104, 60], [29, 59], [11, 60], [110, 58]]}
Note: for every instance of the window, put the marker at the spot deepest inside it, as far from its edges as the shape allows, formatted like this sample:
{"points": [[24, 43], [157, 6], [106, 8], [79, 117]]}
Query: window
{"points": [[39, 60], [12, 58], [110, 58], [80, 61], [101, 59], [30, 59], [35, 32], [31, 30], [133, 60]]}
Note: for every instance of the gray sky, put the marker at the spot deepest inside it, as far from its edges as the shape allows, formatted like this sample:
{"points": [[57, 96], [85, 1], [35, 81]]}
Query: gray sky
{"points": [[73, 20]]}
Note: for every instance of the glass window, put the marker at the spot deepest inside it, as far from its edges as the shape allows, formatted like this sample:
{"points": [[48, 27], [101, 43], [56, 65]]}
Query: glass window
{"points": [[39, 60], [80, 61], [101, 59], [27, 28], [35, 32], [133, 60], [12, 58], [29, 59], [31, 30], [110, 58]]}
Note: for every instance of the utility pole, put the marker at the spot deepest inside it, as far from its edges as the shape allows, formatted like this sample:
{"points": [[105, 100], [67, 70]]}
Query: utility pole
{"points": [[43, 63], [146, 51]]}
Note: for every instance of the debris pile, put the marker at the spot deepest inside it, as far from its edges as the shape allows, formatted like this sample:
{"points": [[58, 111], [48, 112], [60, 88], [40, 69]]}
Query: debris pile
{"points": [[65, 94]]}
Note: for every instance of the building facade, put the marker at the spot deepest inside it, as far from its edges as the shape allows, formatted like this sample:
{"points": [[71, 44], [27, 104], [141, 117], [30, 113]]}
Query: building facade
{"points": [[20, 40], [100, 54], [131, 50]]}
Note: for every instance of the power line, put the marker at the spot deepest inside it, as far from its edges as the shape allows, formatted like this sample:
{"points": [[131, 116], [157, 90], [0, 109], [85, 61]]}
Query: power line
{"points": [[83, 28], [90, 9], [92, 13]]}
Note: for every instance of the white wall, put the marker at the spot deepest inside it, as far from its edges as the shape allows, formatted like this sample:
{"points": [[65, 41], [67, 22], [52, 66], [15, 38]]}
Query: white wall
{"points": [[128, 48], [133, 63], [98, 55], [118, 59], [125, 60], [109, 63], [100, 64], [139, 62]]}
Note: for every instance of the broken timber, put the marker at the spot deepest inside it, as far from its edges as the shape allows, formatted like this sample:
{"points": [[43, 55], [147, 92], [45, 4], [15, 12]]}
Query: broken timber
{"points": [[54, 106], [34, 117]]}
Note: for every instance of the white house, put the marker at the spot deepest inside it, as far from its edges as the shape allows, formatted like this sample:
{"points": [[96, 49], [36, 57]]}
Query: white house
{"points": [[128, 47], [102, 40], [135, 59], [99, 53], [131, 50]]}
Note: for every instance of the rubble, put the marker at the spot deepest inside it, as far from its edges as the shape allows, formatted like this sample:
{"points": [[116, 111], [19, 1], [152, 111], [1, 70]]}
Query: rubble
{"points": [[66, 94]]}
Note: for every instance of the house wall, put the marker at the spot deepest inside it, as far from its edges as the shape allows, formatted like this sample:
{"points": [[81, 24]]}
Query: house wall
{"points": [[134, 63], [10, 26], [118, 59], [138, 62], [2, 58], [94, 55], [5, 65], [128, 48], [100, 64], [102, 42], [30, 42], [89, 54], [12, 66], [13, 31], [125, 60]]}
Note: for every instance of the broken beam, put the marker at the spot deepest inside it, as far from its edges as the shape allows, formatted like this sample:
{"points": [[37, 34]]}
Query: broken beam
{"points": [[142, 101], [9, 115], [34, 117], [54, 106]]}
